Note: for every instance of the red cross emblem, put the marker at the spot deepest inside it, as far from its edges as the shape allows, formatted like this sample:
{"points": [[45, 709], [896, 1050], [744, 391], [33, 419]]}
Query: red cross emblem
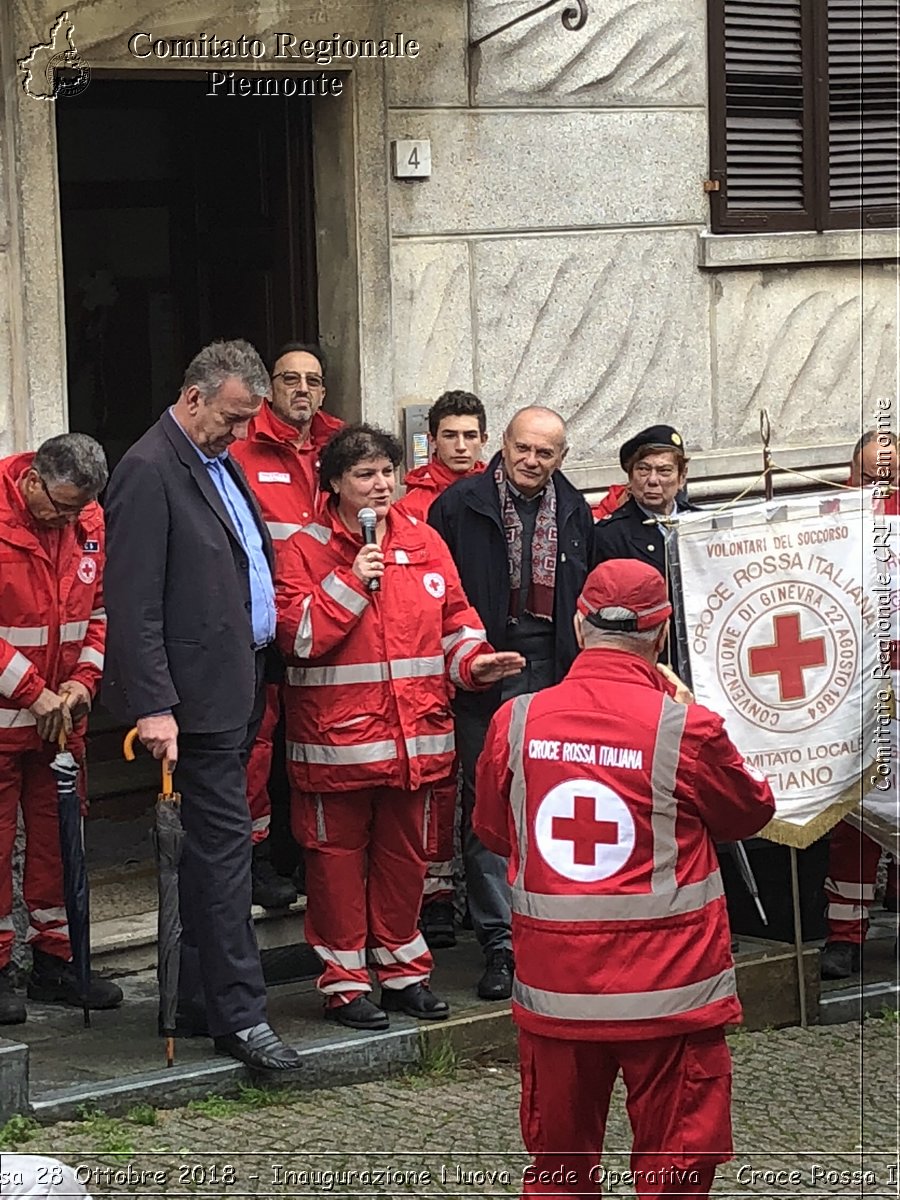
{"points": [[788, 656], [585, 832], [434, 584], [572, 839]]}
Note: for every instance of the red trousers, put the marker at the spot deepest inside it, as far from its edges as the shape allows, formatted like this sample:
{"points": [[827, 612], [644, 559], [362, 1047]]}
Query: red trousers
{"points": [[850, 884], [259, 765], [439, 875], [678, 1100], [366, 854], [26, 780]]}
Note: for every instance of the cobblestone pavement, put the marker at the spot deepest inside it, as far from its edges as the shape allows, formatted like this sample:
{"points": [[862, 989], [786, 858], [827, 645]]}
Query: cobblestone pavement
{"points": [[815, 1114]]}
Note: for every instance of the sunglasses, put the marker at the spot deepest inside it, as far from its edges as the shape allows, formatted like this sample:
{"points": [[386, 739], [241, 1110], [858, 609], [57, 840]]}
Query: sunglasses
{"points": [[292, 378]]}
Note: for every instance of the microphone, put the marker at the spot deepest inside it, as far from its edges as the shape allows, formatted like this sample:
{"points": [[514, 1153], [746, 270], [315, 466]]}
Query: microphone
{"points": [[368, 519]]}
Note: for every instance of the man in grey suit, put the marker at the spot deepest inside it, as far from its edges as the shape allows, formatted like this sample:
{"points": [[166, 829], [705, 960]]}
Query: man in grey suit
{"points": [[190, 605]]}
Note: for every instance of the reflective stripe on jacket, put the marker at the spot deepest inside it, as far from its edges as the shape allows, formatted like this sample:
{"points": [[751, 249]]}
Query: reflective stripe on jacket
{"points": [[367, 696], [607, 795], [52, 620], [284, 477]]}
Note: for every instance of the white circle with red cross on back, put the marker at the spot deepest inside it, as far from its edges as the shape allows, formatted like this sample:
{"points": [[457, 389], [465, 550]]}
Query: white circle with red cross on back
{"points": [[584, 830]]}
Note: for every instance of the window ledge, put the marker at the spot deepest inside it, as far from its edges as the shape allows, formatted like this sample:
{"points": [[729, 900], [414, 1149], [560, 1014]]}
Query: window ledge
{"points": [[772, 249]]}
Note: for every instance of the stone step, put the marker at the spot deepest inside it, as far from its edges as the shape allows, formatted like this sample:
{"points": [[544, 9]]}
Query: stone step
{"points": [[122, 945], [876, 988], [52, 1067]]}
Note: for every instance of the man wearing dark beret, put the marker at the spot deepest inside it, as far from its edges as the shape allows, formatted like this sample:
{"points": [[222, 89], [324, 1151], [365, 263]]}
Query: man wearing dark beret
{"points": [[656, 466]]}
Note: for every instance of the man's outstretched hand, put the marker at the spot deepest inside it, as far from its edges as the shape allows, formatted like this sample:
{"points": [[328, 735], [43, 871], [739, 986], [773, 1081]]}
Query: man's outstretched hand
{"points": [[491, 668]]}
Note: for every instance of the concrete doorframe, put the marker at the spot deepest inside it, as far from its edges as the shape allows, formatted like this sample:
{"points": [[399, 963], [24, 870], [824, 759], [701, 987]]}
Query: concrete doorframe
{"points": [[352, 236]]}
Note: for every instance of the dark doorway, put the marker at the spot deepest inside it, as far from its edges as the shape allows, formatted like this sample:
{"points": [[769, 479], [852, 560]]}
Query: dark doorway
{"points": [[185, 218]]}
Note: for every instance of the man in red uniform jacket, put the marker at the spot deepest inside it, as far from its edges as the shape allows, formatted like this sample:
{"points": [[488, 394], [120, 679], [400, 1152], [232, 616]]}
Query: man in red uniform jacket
{"points": [[52, 636], [280, 457], [852, 856], [608, 792], [457, 431]]}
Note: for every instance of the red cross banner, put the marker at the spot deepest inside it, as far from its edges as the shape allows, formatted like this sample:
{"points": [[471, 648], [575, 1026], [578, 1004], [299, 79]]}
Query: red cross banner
{"points": [[781, 604]]}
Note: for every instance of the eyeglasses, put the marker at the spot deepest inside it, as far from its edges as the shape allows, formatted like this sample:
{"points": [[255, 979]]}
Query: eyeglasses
{"points": [[61, 510], [874, 480], [292, 378], [644, 471]]}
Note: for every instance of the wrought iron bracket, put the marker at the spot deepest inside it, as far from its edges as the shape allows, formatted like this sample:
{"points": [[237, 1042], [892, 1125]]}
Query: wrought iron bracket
{"points": [[573, 17]]}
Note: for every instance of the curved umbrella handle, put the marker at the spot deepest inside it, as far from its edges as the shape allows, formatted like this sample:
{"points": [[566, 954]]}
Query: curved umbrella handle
{"points": [[128, 751], [128, 744]]}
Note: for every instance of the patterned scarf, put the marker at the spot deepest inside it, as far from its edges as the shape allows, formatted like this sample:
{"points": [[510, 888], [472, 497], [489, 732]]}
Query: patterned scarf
{"points": [[539, 602]]}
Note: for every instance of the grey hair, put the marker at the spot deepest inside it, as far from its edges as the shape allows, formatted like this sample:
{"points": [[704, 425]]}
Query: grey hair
{"points": [[72, 458], [594, 637], [219, 361]]}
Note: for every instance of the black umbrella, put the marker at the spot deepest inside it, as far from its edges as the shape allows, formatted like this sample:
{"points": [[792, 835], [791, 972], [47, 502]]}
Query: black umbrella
{"points": [[75, 881], [168, 839]]}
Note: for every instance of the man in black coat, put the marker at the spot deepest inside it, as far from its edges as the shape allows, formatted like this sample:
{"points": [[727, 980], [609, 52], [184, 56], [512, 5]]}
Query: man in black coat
{"points": [[521, 537], [190, 605], [656, 466]]}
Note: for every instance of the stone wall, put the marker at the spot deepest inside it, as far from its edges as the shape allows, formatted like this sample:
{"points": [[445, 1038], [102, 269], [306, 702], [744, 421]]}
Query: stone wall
{"points": [[559, 252], [554, 255]]}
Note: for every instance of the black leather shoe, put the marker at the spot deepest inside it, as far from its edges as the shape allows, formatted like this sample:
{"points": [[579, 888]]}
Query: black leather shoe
{"points": [[262, 1050], [416, 1000], [360, 1013], [270, 890], [839, 960], [497, 981], [437, 925], [52, 980]]}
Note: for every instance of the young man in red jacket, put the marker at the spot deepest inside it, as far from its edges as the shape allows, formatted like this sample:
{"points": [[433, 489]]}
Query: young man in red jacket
{"points": [[52, 637], [457, 432], [280, 458], [607, 792]]}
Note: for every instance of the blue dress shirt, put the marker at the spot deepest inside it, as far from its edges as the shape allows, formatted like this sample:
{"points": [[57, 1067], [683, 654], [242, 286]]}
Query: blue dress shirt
{"points": [[262, 589]]}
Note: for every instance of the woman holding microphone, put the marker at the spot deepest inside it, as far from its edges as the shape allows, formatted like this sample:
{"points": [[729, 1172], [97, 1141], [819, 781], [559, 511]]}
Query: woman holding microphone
{"points": [[377, 630]]}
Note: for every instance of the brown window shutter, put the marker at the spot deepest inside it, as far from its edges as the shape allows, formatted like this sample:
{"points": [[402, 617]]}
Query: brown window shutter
{"points": [[863, 131], [761, 126]]}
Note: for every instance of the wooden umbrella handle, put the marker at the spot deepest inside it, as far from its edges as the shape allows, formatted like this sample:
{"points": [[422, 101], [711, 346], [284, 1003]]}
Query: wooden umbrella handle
{"points": [[128, 751], [128, 744]]}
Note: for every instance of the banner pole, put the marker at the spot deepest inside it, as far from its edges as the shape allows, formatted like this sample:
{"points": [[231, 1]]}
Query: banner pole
{"points": [[798, 937], [765, 433]]}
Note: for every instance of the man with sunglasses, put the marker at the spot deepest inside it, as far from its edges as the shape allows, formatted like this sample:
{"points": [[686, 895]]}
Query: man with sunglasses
{"points": [[52, 636], [280, 458]]}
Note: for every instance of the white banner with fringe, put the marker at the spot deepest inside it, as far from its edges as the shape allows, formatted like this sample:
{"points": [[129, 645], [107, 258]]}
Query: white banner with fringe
{"points": [[779, 614]]}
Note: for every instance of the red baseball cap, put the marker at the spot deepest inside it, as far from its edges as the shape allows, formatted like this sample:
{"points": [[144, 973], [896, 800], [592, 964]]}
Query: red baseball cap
{"points": [[625, 584]]}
